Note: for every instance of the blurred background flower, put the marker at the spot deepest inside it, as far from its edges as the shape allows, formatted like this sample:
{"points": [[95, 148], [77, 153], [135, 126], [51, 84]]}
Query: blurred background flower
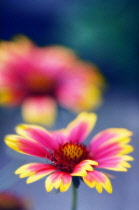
{"points": [[103, 32], [40, 77], [10, 201]]}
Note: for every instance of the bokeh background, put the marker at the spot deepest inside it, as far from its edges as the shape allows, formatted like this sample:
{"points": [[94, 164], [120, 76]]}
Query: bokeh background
{"points": [[103, 32]]}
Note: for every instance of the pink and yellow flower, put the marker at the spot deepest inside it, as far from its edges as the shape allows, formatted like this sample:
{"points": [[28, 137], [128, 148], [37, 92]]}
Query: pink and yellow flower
{"points": [[39, 78], [68, 159]]}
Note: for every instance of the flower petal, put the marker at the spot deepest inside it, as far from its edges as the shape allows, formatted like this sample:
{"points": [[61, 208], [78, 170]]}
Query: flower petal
{"points": [[109, 149], [98, 180], [107, 135], [40, 110], [39, 175], [66, 180], [35, 171], [11, 93], [58, 179], [59, 136], [10, 96], [38, 134], [80, 128], [80, 92], [82, 168], [53, 181], [116, 163], [25, 146]]}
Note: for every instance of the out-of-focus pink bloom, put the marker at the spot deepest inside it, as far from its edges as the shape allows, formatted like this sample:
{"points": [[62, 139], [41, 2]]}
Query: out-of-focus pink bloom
{"points": [[39, 78], [9, 201], [68, 159]]}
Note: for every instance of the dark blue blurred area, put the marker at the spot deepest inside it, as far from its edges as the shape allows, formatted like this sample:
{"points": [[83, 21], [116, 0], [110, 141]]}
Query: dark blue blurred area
{"points": [[103, 32]]}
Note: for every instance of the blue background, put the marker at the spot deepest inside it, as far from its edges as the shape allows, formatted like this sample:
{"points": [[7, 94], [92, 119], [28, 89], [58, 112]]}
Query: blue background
{"points": [[103, 32]]}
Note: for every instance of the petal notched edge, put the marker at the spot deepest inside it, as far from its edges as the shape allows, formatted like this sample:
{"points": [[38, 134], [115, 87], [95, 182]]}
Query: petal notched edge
{"points": [[58, 180], [98, 180]]}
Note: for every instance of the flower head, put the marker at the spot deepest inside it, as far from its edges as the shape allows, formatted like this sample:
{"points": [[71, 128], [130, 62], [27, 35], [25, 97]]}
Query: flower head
{"points": [[39, 78], [68, 159]]}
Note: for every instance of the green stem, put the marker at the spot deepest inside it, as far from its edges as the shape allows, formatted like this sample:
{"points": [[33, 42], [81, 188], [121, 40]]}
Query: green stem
{"points": [[74, 198]]}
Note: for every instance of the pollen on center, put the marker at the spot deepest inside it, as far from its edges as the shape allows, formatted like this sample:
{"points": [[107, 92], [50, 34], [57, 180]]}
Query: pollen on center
{"points": [[73, 151], [68, 155]]}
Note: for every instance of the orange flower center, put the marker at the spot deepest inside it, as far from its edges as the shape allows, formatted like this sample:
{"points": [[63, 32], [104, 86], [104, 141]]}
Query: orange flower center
{"points": [[68, 155], [39, 83]]}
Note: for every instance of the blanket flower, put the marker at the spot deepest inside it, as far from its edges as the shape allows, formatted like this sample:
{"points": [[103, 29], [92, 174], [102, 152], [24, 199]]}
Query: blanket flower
{"points": [[40, 78], [67, 158]]}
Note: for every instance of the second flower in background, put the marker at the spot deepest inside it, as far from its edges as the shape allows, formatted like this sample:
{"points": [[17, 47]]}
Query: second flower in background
{"points": [[40, 78]]}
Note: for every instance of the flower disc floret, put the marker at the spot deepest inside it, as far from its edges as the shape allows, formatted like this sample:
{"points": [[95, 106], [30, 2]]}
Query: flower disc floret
{"points": [[68, 155]]}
